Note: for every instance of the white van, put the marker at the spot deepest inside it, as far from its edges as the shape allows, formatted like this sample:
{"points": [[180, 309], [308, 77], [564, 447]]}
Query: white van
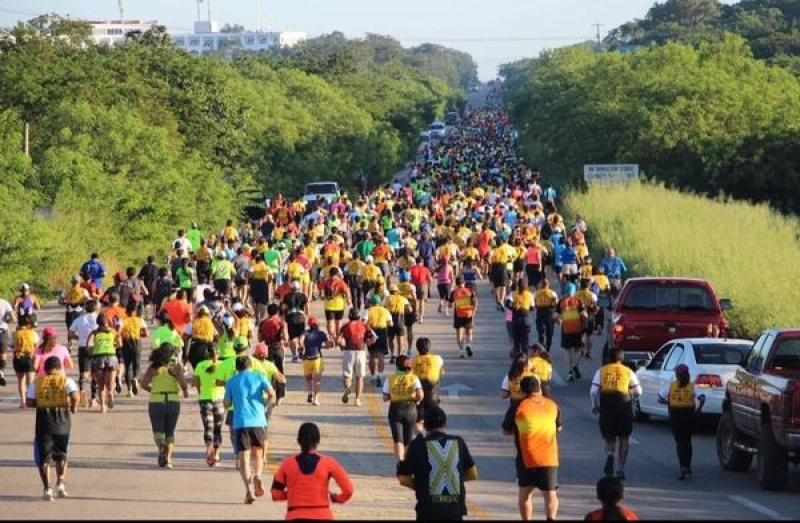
{"points": [[316, 190]]}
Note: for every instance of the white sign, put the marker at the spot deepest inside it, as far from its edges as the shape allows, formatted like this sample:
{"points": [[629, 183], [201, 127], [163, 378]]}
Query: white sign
{"points": [[610, 173]]}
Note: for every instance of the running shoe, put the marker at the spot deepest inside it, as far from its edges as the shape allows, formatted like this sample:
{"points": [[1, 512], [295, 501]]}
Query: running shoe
{"points": [[608, 470], [169, 465], [358, 402], [61, 490], [249, 499], [118, 386], [621, 475], [316, 402], [258, 487], [162, 458], [310, 398], [47, 495], [391, 360], [684, 473], [135, 386], [129, 394], [2, 380], [295, 359], [378, 382], [570, 376], [461, 354], [469, 351], [110, 401], [346, 395], [576, 372]]}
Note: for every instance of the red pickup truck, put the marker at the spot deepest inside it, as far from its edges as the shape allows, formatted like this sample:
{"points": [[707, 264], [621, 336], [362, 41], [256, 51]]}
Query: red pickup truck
{"points": [[650, 311], [761, 410]]}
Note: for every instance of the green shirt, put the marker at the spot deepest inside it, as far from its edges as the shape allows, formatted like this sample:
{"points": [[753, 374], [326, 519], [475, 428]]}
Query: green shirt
{"points": [[185, 277], [195, 235], [272, 258], [209, 390], [164, 334]]}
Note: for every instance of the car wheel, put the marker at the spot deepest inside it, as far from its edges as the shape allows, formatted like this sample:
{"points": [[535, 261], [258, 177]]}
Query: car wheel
{"points": [[773, 462], [731, 458], [638, 415]]}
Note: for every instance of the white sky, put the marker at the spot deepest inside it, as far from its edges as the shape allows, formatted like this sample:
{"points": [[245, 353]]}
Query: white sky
{"points": [[492, 31]]}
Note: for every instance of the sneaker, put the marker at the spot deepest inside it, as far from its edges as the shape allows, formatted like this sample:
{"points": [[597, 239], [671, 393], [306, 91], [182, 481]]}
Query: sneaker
{"points": [[2, 380], [135, 387], [84, 403], [378, 382], [258, 487], [118, 386], [358, 402], [576, 372], [61, 490], [162, 458], [47, 495], [461, 355], [129, 394], [608, 470], [310, 398], [346, 395], [110, 401], [316, 402], [469, 351], [168, 465], [249, 499], [621, 475], [683, 474], [391, 360], [570, 376]]}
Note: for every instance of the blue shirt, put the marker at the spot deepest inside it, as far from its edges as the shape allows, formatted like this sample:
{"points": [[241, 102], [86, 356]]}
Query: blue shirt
{"points": [[568, 255], [614, 267], [246, 392], [312, 343]]}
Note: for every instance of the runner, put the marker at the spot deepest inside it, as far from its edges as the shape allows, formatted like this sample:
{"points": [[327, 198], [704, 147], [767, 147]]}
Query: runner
{"points": [[429, 368], [545, 300], [274, 333], [164, 379], [511, 389], [522, 303], [24, 342], [26, 304], [95, 269], [541, 365], [303, 480], [409, 292], [613, 387], [212, 410], [537, 422], [132, 331], [55, 398], [610, 492], [245, 392], [589, 301], [80, 330], [572, 316], [379, 321], [614, 268], [399, 308], [203, 334], [444, 283], [404, 392], [260, 279], [314, 341], [336, 295], [73, 298], [50, 348], [295, 310], [354, 339], [103, 343], [464, 303], [685, 402], [436, 468], [6, 316]]}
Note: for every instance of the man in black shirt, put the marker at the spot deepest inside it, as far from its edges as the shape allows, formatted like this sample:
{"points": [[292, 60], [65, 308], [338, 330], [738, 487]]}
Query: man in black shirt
{"points": [[436, 466]]}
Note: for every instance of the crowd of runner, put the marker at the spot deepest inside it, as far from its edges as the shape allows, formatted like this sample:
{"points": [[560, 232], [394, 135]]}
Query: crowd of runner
{"points": [[233, 303]]}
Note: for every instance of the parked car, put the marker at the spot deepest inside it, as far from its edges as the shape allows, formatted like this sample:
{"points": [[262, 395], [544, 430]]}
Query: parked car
{"points": [[452, 118], [437, 130], [650, 311], [761, 411], [316, 190], [711, 361]]}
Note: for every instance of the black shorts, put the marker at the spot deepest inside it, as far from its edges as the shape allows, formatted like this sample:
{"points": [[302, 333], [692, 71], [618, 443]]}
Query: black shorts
{"points": [[239, 282], [3, 342], [398, 327], [543, 478], [499, 275], [616, 421], [572, 341], [259, 292], [421, 291], [334, 315], [519, 265], [222, 286], [23, 363], [410, 319], [444, 290], [381, 346], [84, 360], [589, 326], [427, 403], [50, 447], [250, 437], [462, 323], [295, 324], [402, 421]]}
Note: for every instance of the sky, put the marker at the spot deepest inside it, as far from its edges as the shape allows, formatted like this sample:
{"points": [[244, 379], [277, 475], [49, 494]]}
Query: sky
{"points": [[494, 32]]}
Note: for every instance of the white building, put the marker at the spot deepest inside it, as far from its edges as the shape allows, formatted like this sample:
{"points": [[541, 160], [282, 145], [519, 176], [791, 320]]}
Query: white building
{"points": [[112, 32], [207, 38]]}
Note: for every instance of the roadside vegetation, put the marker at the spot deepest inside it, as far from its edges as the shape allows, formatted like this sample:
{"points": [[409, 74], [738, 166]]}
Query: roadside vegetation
{"points": [[128, 144], [748, 252]]}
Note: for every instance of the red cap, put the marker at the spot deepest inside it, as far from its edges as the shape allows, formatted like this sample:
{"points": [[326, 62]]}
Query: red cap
{"points": [[260, 350], [119, 275], [49, 332], [681, 369], [312, 321]]}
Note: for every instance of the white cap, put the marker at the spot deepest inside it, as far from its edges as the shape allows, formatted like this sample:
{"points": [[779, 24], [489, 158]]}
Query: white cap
{"points": [[296, 285], [369, 259], [238, 306], [227, 320]]}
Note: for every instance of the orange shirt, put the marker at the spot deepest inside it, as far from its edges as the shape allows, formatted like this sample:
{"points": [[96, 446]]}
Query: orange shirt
{"points": [[180, 312], [537, 420], [599, 515], [303, 481], [463, 302]]}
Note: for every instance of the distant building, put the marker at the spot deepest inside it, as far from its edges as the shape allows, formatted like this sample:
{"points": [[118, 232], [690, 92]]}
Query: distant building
{"points": [[207, 38], [112, 32]]}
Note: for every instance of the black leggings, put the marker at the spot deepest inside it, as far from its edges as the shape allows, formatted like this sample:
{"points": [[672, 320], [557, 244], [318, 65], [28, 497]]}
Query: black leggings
{"points": [[545, 326], [402, 421], [276, 356], [682, 422], [131, 355], [213, 415], [164, 420], [520, 331]]}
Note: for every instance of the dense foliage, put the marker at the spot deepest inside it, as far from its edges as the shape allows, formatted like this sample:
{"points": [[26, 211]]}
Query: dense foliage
{"points": [[127, 144], [709, 118]]}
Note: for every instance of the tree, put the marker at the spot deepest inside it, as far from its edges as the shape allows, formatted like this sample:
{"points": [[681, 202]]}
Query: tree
{"points": [[232, 28]]}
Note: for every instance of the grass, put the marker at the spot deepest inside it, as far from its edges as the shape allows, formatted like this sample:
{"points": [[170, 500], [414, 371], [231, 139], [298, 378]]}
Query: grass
{"points": [[748, 252]]}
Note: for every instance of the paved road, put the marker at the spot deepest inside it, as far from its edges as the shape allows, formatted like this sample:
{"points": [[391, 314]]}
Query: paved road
{"points": [[113, 472]]}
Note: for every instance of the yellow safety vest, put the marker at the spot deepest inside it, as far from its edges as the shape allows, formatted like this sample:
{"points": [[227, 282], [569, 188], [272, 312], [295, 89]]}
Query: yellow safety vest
{"points": [[681, 397], [427, 368], [401, 387], [615, 378]]}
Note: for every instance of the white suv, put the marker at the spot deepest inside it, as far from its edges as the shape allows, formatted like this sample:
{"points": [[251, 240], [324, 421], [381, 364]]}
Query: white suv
{"points": [[316, 190]]}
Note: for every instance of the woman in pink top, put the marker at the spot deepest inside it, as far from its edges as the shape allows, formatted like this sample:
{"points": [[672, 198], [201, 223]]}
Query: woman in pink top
{"points": [[50, 347], [444, 282]]}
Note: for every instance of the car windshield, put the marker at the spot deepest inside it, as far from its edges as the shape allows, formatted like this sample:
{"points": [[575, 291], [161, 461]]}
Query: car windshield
{"points": [[669, 297], [321, 188], [721, 353]]}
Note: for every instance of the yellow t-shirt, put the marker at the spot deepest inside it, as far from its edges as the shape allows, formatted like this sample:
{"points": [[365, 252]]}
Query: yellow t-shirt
{"points": [[378, 317]]}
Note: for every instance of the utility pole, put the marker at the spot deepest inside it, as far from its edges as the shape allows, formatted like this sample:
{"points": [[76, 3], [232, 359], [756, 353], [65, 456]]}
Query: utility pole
{"points": [[598, 26]]}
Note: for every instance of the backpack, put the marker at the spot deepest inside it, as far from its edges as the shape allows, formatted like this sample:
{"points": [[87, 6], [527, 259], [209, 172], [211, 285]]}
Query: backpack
{"points": [[25, 309]]}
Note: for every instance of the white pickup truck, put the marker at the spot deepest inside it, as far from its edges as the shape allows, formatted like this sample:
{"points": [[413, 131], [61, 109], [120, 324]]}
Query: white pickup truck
{"points": [[316, 190]]}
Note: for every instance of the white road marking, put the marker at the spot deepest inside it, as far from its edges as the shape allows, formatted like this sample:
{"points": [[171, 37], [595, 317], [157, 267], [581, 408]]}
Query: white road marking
{"points": [[11, 398], [757, 507], [633, 441]]}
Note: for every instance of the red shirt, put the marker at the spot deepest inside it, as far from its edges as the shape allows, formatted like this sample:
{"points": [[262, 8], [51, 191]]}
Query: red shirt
{"points": [[355, 334], [303, 481], [271, 330], [420, 275], [180, 312], [599, 515]]}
